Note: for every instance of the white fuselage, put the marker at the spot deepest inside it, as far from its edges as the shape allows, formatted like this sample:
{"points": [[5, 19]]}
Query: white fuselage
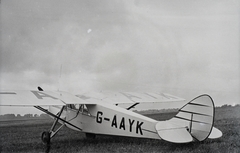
{"points": [[109, 119]]}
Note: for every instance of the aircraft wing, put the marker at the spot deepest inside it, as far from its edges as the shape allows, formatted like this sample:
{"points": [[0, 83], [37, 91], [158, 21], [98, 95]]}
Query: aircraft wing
{"points": [[38, 98], [128, 97], [127, 100], [146, 100]]}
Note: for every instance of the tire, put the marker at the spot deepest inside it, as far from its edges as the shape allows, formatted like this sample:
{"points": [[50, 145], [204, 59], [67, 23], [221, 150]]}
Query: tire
{"points": [[46, 137]]}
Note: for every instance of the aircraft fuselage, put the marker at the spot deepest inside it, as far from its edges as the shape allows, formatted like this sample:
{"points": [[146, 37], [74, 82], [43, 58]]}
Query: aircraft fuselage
{"points": [[110, 120]]}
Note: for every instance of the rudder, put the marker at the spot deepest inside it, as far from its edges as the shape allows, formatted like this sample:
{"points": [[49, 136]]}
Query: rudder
{"points": [[194, 121], [197, 116]]}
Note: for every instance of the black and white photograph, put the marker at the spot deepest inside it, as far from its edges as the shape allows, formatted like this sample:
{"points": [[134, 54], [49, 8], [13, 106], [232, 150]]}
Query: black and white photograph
{"points": [[119, 76]]}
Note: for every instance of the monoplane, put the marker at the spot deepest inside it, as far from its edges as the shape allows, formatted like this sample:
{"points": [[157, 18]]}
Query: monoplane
{"points": [[111, 113]]}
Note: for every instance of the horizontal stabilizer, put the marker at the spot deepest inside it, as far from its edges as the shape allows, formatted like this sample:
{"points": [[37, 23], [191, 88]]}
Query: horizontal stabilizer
{"points": [[215, 133], [173, 133]]}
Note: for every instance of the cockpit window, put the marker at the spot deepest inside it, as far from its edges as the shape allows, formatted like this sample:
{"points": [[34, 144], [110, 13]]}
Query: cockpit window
{"points": [[72, 106], [80, 108], [84, 109], [77, 106]]}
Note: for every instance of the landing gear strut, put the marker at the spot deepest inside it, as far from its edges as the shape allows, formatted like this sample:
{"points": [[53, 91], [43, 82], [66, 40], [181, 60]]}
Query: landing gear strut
{"points": [[47, 135]]}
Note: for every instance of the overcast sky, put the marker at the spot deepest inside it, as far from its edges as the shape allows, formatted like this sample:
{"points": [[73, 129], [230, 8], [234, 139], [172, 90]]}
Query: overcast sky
{"points": [[184, 48]]}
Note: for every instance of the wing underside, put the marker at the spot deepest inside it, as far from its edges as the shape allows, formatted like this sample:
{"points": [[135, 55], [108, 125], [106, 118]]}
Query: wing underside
{"points": [[38, 98], [128, 97], [126, 100], [135, 100]]}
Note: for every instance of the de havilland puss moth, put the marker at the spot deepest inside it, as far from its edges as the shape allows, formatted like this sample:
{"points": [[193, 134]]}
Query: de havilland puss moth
{"points": [[111, 113]]}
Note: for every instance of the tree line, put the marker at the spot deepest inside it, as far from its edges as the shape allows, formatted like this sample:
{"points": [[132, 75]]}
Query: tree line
{"points": [[19, 116]]}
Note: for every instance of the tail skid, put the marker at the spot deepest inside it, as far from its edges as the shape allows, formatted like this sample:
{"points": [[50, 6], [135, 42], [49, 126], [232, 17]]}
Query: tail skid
{"points": [[194, 121]]}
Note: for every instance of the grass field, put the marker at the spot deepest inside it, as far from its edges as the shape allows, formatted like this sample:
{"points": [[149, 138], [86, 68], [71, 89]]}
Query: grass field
{"points": [[25, 136]]}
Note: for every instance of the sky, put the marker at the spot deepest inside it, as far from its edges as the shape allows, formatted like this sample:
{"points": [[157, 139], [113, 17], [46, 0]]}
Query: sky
{"points": [[184, 48]]}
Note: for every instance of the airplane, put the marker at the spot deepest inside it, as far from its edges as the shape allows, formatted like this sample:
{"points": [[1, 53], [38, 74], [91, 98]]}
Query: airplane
{"points": [[107, 113]]}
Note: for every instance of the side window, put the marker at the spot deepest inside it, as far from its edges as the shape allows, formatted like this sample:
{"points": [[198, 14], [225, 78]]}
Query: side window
{"points": [[72, 106], [84, 110], [80, 108], [77, 106]]}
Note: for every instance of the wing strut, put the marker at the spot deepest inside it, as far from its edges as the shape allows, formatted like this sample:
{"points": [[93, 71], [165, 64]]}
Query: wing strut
{"points": [[52, 132], [57, 117], [132, 106], [47, 135]]}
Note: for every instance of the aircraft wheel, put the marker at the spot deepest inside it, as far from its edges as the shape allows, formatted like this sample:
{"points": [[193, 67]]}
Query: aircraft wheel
{"points": [[90, 136], [46, 137]]}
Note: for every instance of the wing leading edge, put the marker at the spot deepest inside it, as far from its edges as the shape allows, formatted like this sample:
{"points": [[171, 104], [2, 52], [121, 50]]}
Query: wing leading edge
{"points": [[60, 98], [128, 97], [134, 100], [38, 98]]}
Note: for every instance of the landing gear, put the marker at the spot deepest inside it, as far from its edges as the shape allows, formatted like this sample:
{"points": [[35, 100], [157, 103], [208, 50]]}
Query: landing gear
{"points": [[46, 137]]}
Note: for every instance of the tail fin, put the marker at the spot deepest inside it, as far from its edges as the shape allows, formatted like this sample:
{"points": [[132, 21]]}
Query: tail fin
{"points": [[193, 121]]}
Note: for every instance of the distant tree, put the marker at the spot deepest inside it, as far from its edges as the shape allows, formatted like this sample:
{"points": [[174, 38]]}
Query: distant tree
{"points": [[28, 115], [44, 116], [225, 106], [19, 116], [36, 115], [9, 116]]}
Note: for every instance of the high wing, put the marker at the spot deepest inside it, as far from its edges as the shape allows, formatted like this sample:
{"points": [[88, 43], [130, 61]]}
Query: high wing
{"points": [[146, 100], [38, 98], [126, 100], [128, 97]]}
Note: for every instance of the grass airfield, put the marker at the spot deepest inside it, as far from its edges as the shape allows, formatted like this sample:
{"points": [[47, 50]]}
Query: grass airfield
{"points": [[25, 136]]}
